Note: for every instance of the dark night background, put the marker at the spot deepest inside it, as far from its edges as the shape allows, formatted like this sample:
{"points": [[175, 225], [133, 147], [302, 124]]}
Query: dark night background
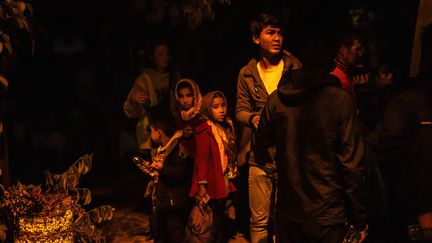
{"points": [[67, 99]]}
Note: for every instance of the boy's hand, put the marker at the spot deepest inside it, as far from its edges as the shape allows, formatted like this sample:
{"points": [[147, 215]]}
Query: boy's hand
{"points": [[363, 235], [158, 165], [255, 121], [158, 161], [202, 196]]}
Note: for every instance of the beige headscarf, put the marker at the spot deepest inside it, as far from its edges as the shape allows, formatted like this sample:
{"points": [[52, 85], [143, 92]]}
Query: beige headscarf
{"points": [[224, 133], [195, 109]]}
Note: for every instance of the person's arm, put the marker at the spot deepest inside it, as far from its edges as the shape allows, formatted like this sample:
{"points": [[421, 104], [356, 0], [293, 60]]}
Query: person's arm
{"points": [[244, 111], [264, 137], [350, 157], [134, 105]]}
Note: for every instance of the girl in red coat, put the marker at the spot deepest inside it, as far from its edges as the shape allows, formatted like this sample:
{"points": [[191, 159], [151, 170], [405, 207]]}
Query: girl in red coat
{"points": [[215, 164]]}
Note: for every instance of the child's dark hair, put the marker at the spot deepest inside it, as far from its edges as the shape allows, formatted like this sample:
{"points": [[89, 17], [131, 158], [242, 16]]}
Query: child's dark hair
{"points": [[183, 85], [161, 119], [347, 39], [265, 19]]}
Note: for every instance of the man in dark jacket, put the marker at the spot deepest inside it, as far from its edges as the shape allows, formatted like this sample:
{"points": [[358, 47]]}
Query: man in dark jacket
{"points": [[403, 142], [313, 124]]}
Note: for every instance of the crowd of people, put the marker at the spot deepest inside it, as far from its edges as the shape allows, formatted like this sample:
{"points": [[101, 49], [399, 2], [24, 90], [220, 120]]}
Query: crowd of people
{"points": [[306, 137]]}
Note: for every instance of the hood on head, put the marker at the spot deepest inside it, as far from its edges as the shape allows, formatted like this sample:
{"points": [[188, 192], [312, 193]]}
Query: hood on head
{"points": [[296, 85], [313, 74]]}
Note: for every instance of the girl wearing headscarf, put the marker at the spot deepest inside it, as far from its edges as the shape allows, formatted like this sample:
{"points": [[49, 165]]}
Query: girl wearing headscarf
{"points": [[187, 111], [215, 164]]}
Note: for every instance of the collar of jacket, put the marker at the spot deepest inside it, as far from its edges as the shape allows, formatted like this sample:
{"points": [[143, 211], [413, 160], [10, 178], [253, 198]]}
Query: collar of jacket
{"points": [[339, 63], [290, 62], [302, 83], [251, 71], [203, 126]]}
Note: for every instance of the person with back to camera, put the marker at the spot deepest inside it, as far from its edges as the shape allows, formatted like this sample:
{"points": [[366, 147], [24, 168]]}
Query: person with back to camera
{"points": [[319, 154], [151, 88]]}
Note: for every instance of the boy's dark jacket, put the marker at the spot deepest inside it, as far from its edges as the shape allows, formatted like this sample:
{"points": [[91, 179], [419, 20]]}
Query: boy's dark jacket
{"points": [[319, 151], [174, 181]]}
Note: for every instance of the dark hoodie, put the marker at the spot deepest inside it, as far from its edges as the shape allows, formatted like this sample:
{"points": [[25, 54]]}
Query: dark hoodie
{"points": [[313, 124]]}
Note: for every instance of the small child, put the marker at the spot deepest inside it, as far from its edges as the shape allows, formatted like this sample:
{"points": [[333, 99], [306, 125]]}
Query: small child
{"points": [[171, 201], [187, 114], [215, 164]]}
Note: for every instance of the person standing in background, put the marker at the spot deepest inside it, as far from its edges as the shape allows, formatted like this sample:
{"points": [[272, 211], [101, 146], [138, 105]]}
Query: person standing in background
{"points": [[151, 88], [349, 58]]}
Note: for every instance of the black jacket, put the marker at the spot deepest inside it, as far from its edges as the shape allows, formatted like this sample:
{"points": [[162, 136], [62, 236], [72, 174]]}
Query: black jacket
{"points": [[403, 142], [172, 191], [319, 150]]}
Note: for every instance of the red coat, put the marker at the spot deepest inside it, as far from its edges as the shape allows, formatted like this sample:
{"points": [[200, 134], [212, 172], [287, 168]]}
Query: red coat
{"points": [[207, 165]]}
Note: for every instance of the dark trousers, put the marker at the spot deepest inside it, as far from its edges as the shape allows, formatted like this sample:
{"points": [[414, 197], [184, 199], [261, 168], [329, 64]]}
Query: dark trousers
{"points": [[292, 232], [242, 200], [223, 228], [168, 226]]}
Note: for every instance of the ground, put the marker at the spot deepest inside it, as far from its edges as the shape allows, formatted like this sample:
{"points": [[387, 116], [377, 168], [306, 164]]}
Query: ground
{"points": [[125, 191]]}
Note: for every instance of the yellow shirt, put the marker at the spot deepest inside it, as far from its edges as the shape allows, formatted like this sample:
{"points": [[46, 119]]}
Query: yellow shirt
{"points": [[271, 76]]}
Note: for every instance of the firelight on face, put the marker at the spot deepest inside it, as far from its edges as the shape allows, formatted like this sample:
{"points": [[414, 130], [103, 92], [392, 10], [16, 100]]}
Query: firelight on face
{"points": [[185, 98], [219, 109], [270, 40]]}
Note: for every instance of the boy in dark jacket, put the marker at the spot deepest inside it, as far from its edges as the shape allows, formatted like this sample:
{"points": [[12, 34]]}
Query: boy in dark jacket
{"points": [[172, 180]]}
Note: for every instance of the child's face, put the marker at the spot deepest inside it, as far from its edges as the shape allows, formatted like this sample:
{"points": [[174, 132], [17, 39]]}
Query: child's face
{"points": [[155, 136], [219, 109], [185, 98]]}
